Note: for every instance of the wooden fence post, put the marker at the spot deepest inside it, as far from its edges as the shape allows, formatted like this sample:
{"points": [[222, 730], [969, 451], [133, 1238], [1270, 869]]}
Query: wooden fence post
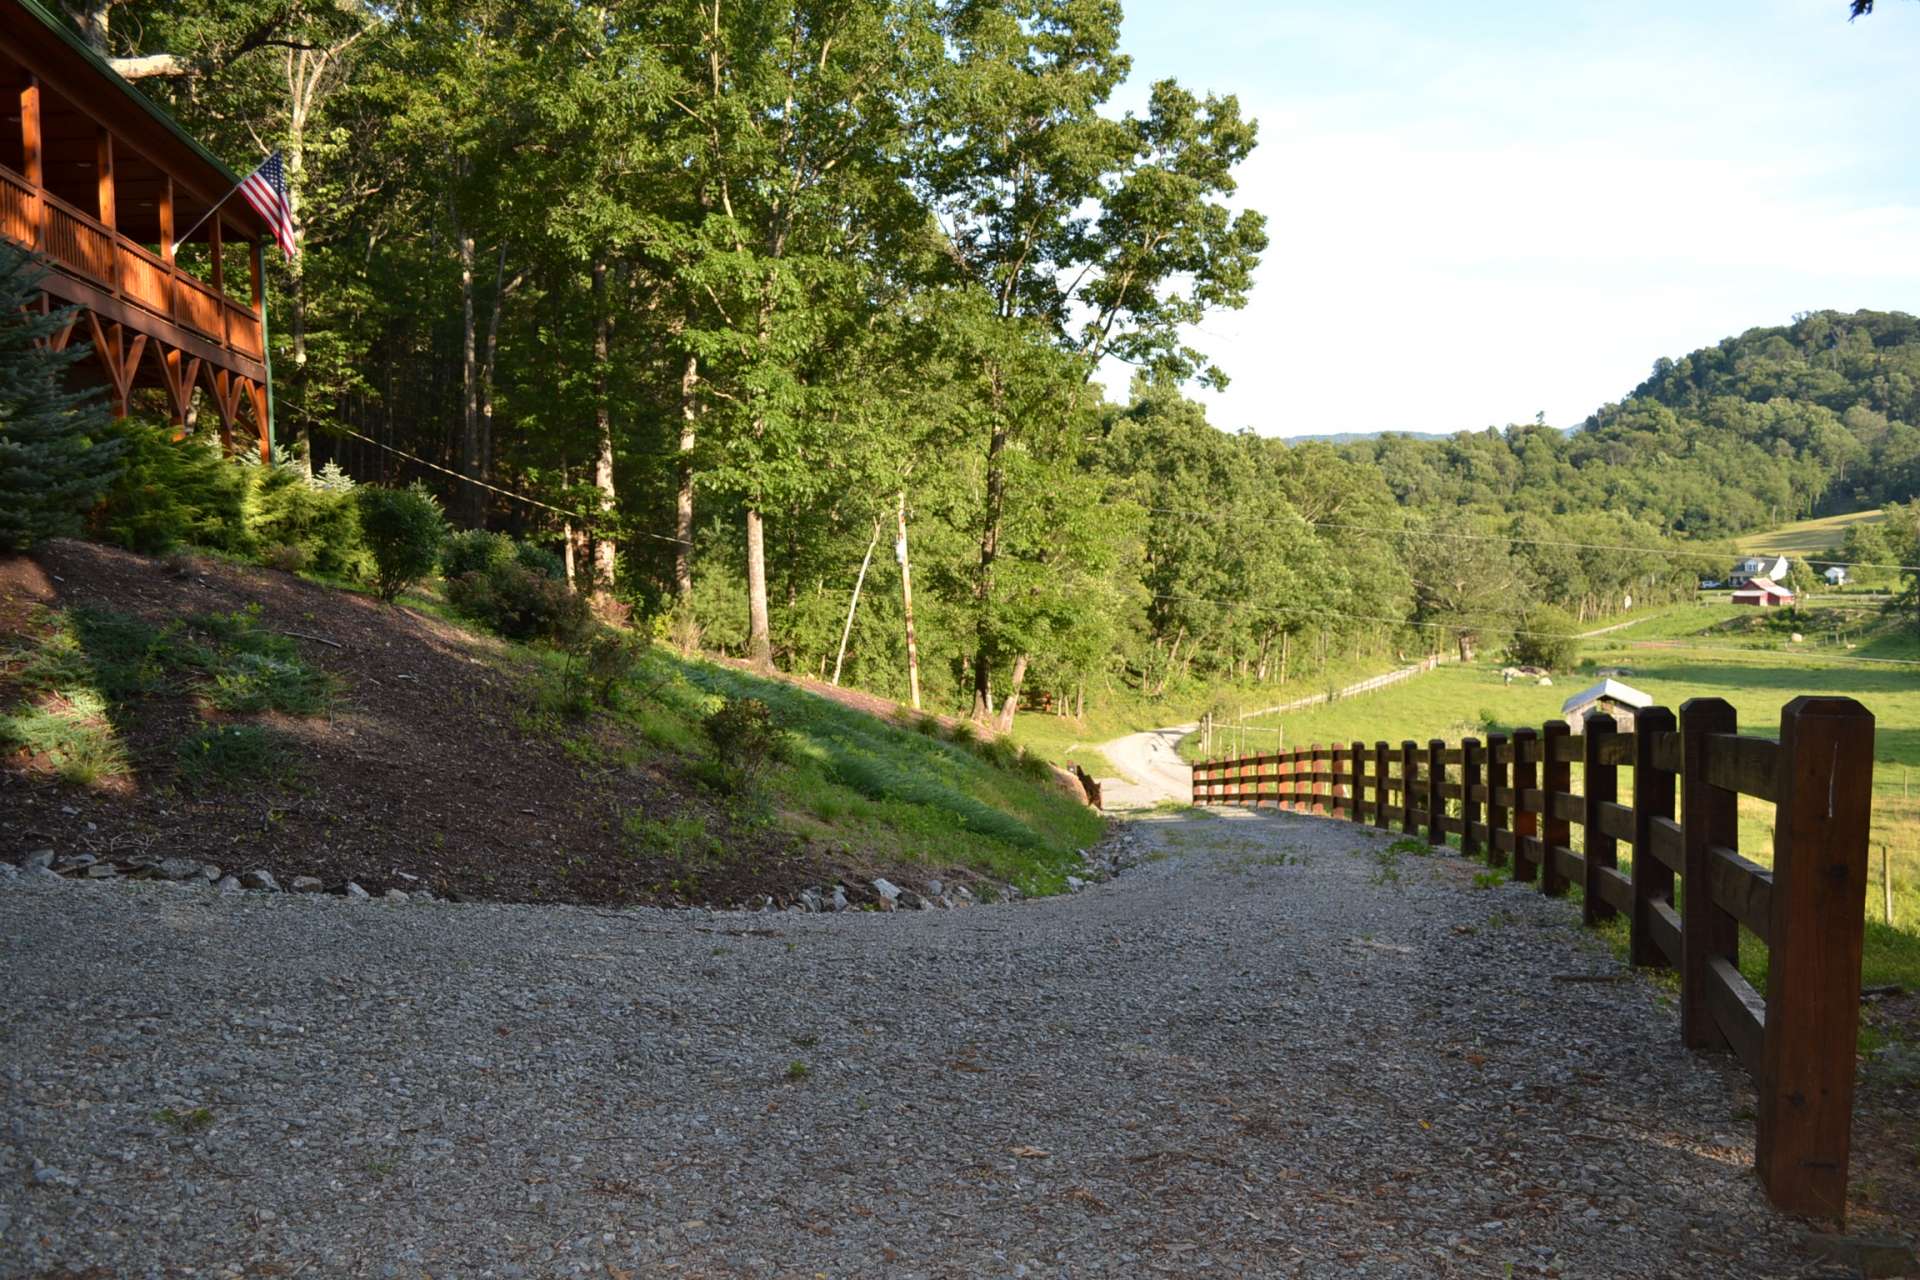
{"points": [[1409, 780], [1709, 817], [1470, 761], [1358, 811], [1436, 802], [1313, 783], [1381, 755], [1556, 779], [1601, 785], [1526, 823], [1653, 789], [1824, 802], [1497, 775]]}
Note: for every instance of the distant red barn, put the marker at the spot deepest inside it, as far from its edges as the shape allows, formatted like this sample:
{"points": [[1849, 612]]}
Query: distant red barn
{"points": [[1764, 592]]}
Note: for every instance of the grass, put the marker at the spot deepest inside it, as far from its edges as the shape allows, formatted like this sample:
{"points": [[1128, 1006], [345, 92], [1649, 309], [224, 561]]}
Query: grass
{"points": [[89, 669], [1807, 537], [1756, 678], [865, 787]]}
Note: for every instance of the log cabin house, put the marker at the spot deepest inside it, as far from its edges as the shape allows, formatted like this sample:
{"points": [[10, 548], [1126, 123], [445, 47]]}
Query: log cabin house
{"points": [[96, 182]]}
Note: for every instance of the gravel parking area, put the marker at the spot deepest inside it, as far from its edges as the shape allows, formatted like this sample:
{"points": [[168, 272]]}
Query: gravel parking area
{"points": [[1254, 1053]]}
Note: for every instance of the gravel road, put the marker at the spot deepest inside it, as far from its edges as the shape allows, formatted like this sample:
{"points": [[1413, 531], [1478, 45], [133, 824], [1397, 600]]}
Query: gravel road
{"points": [[1255, 1053]]}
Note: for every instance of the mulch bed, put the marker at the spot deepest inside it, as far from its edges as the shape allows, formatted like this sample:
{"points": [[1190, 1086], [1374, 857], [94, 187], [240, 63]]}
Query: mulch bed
{"points": [[428, 765]]}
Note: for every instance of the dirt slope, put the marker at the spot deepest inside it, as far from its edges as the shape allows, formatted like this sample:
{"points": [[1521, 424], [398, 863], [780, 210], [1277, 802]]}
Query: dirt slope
{"points": [[431, 762]]}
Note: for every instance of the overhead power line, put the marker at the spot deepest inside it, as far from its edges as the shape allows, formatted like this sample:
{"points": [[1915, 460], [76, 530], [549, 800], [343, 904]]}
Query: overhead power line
{"points": [[494, 488], [1672, 553], [1520, 631]]}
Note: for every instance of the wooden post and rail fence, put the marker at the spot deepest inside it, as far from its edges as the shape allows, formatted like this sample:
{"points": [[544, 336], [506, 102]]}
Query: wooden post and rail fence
{"points": [[1511, 797]]}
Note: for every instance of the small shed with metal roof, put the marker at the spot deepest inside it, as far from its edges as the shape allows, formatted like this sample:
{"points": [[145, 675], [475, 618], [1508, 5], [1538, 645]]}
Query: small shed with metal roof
{"points": [[1610, 697]]}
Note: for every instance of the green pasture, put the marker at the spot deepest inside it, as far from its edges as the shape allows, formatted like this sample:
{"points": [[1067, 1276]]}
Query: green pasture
{"points": [[1807, 537]]}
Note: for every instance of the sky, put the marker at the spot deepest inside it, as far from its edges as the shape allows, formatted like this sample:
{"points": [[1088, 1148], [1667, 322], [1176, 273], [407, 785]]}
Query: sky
{"points": [[1482, 210]]}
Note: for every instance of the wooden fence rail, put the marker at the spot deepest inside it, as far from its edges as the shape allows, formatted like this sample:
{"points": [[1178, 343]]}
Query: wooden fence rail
{"points": [[1798, 1039]]}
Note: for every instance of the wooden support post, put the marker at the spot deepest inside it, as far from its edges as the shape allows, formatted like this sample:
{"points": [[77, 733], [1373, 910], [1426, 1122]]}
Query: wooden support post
{"points": [[1470, 765], [1526, 822], [1556, 779], [1709, 817], [1600, 784], [1825, 805], [1653, 790], [1314, 793], [33, 157], [1409, 788], [1382, 756], [1436, 802]]}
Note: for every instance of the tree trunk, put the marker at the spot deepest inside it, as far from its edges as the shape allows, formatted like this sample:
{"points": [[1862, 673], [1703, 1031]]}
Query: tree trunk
{"points": [[983, 590], [1007, 709], [487, 358], [473, 502], [906, 605], [683, 497], [605, 552], [759, 636], [853, 604]]}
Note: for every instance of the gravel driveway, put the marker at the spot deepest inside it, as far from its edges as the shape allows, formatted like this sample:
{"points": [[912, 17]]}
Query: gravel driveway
{"points": [[1255, 1054]]}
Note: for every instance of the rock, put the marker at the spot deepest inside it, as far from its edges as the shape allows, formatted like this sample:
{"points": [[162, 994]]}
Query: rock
{"points": [[74, 862], [935, 889], [394, 895], [227, 884], [179, 868], [43, 875], [911, 901], [37, 859], [808, 901], [260, 879], [45, 1175], [839, 900], [1798, 638], [306, 884], [8, 872], [1546, 682], [355, 892], [103, 871], [887, 889], [962, 894], [1867, 1255], [948, 903], [209, 873], [1075, 884]]}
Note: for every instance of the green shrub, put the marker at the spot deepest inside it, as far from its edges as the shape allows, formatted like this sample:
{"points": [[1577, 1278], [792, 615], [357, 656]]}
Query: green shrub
{"points": [[521, 604], [746, 740], [232, 753], [599, 662], [474, 551], [315, 515], [403, 530], [537, 559], [1545, 639], [170, 492]]}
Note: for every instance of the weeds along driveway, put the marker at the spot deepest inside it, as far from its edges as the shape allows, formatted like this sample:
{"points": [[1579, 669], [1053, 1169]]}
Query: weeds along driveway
{"points": [[1269, 1049]]}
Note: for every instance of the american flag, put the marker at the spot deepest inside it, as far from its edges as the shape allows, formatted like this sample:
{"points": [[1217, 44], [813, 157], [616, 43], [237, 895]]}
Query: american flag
{"points": [[266, 190]]}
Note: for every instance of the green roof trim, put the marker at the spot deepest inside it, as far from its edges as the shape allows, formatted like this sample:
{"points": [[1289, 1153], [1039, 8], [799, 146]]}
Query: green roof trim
{"points": [[59, 26]]}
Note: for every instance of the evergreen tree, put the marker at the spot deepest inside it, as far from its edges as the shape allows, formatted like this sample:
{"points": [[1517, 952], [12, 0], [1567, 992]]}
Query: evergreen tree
{"points": [[54, 460]]}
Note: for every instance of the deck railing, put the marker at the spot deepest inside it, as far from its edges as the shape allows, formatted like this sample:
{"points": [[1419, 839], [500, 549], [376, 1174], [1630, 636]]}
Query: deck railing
{"points": [[1512, 797], [83, 247]]}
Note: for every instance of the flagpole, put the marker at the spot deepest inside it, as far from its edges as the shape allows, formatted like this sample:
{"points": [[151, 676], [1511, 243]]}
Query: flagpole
{"points": [[203, 217]]}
